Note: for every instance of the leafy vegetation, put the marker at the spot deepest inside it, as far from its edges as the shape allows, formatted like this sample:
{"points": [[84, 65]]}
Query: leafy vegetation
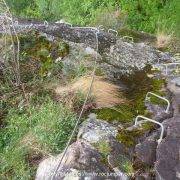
{"points": [[146, 15]]}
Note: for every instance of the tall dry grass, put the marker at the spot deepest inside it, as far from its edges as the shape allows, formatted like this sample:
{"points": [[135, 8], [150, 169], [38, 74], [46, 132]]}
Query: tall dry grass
{"points": [[105, 94], [163, 40]]}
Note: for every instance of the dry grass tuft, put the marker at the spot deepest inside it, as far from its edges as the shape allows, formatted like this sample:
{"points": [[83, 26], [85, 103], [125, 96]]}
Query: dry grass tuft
{"points": [[104, 93], [163, 40]]}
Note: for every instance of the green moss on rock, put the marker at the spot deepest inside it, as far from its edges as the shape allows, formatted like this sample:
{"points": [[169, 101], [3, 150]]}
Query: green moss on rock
{"points": [[122, 113], [129, 138], [138, 86], [38, 55], [104, 149]]}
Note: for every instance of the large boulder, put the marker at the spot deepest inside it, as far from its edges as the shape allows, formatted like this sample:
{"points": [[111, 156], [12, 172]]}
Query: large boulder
{"points": [[167, 164], [102, 135], [122, 58], [81, 161], [118, 57]]}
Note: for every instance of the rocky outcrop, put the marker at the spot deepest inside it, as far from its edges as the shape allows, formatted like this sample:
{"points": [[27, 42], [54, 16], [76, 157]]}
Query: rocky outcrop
{"points": [[66, 31], [117, 56], [123, 58], [97, 153], [81, 161], [168, 157], [89, 156], [97, 149]]}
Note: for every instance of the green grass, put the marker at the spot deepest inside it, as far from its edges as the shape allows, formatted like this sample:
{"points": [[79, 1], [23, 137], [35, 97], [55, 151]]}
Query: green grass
{"points": [[103, 147], [36, 132], [125, 165]]}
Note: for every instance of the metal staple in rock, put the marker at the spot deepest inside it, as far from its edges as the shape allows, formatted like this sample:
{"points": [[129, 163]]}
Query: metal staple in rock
{"points": [[151, 120], [160, 97]]}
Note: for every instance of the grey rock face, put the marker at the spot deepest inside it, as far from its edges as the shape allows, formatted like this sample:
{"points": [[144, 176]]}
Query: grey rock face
{"points": [[81, 158], [93, 130], [88, 36], [146, 152], [172, 127], [175, 90], [168, 157], [118, 57], [66, 32], [126, 57], [122, 58]]}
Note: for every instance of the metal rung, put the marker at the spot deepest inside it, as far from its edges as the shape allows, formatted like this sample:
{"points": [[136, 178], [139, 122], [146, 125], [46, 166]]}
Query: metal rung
{"points": [[101, 27], [128, 37], [93, 29], [113, 31], [151, 120], [46, 24], [160, 97], [68, 24]]}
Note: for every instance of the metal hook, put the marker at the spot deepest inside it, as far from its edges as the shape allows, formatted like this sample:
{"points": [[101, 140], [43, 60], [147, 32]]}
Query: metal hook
{"points": [[101, 27], [31, 25], [16, 23], [160, 97], [68, 24], [151, 120], [46, 24], [113, 31], [128, 37]]}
